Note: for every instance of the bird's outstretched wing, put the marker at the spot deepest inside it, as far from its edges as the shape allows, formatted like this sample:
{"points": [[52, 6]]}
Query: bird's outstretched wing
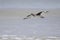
{"points": [[25, 18]]}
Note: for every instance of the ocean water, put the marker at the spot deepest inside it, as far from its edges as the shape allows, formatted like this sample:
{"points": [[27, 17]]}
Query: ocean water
{"points": [[46, 27], [12, 23]]}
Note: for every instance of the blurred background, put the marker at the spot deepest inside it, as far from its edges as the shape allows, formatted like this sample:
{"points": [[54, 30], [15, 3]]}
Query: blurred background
{"points": [[44, 4], [12, 13]]}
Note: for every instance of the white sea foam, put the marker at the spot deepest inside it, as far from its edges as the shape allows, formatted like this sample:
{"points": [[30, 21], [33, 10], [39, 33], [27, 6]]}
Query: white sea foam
{"points": [[15, 37]]}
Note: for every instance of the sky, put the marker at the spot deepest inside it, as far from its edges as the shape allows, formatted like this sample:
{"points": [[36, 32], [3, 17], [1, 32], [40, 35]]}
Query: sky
{"points": [[29, 3]]}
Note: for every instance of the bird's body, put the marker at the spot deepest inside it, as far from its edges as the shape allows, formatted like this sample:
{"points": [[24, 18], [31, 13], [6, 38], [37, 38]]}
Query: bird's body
{"points": [[38, 14]]}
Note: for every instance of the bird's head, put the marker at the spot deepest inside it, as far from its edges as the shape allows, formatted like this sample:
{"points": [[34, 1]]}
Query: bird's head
{"points": [[45, 11]]}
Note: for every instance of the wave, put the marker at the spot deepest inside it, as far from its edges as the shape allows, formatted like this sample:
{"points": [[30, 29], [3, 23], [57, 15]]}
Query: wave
{"points": [[15, 37]]}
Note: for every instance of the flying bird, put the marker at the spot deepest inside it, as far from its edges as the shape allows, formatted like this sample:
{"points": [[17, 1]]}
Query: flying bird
{"points": [[38, 14]]}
